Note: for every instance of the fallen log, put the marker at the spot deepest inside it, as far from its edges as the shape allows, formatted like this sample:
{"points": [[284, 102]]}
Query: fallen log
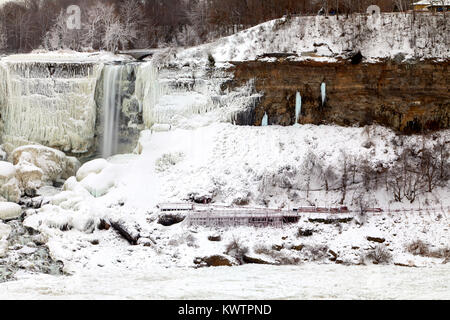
{"points": [[132, 236]]}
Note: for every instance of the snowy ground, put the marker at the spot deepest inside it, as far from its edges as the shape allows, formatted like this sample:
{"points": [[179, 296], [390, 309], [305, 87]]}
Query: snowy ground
{"points": [[324, 37], [245, 282], [216, 160]]}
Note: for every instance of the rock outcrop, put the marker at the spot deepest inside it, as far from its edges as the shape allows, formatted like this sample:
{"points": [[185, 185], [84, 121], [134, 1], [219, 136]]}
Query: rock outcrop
{"points": [[9, 211], [409, 97], [38, 165]]}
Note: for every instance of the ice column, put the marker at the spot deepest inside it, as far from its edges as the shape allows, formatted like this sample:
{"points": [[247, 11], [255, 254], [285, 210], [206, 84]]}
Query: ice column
{"points": [[298, 106], [323, 90], [265, 120]]}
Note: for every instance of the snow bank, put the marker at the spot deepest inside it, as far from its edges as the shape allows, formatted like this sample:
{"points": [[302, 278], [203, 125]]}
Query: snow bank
{"points": [[94, 166], [98, 184], [9, 210], [9, 186], [7, 171]]}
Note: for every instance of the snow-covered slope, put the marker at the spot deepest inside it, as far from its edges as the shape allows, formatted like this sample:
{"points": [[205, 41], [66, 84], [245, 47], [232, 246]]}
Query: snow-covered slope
{"points": [[420, 36], [264, 165]]}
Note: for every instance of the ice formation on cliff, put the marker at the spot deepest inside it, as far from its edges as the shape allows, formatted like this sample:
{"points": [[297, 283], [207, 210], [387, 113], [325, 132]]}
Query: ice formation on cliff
{"points": [[298, 106], [148, 90], [265, 120], [48, 103], [323, 91]]}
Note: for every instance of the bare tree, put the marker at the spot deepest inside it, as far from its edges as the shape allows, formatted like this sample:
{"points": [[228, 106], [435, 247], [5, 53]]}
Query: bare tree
{"points": [[61, 37], [3, 36]]}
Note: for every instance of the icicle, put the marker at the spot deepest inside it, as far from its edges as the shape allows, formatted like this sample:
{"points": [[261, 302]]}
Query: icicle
{"points": [[323, 89], [298, 106], [265, 120]]}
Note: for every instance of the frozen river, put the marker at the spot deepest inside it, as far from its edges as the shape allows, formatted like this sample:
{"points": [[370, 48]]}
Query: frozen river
{"points": [[246, 282]]}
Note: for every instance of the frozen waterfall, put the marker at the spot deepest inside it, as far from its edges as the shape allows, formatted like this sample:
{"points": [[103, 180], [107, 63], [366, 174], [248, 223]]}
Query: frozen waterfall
{"points": [[112, 103], [265, 120], [149, 90], [298, 106], [50, 103]]}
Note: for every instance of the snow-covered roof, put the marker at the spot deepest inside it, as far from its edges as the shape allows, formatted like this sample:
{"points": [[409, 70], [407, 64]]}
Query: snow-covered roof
{"points": [[175, 206]]}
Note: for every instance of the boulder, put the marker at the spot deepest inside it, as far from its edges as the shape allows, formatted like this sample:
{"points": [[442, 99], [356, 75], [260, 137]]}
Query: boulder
{"points": [[38, 165], [29, 177], [9, 186], [7, 171], [255, 259], [305, 232], [298, 247], [100, 184], [10, 190], [215, 237], [3, 154], [72, 167], [376, 239], [3, 248], [217, 261], [95, 166], [168, 219], [9, 211], [333, 254], [53, 163], [5, 230]]}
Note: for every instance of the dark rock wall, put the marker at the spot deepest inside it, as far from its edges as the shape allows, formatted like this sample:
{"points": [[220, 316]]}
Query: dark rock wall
{"points": [[408, 97]]}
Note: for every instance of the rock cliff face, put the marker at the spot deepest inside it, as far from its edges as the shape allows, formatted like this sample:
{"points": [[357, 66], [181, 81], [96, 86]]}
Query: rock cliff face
{"points": [[409, 97]]}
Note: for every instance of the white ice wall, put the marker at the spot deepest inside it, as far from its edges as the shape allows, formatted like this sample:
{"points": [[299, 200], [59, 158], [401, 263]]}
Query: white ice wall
{"points": [[57, 110]]}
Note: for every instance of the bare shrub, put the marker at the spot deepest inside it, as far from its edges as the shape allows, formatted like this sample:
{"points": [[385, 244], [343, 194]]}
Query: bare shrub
{"points": [[304, 232], [237, 250], [317, 252], [418, 247], [280, 257], [379, 255], [421, 248], [262, 249]]}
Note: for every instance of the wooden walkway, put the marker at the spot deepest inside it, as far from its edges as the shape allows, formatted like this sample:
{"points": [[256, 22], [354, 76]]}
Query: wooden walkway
{"points": [[213, 215]]}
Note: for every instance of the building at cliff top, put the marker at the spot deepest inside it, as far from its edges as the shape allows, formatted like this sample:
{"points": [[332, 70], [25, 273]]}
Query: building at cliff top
{"points": [[432, 5]]}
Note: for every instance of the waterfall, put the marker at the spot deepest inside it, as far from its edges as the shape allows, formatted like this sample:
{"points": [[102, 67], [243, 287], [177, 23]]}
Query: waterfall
{"points": [[323, 90], [265, 120], [112, 103], [298, 106]]}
